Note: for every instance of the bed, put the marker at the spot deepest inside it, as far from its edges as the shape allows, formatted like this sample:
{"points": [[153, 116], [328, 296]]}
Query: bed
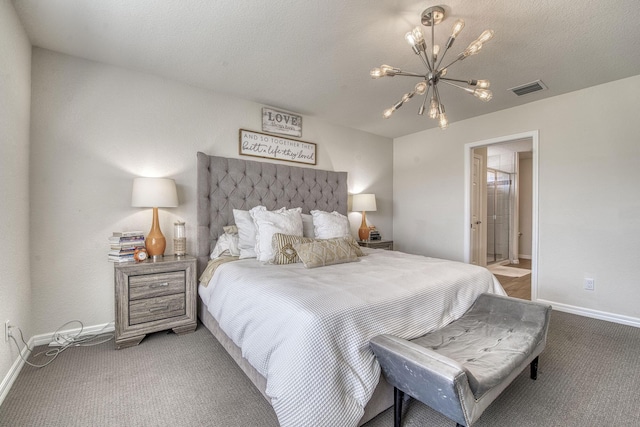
{"points": [[301, 335]]}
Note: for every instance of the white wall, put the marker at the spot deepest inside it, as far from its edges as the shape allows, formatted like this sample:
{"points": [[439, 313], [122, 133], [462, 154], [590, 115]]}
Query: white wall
{"points": [[15, 95], [589, 203], [96, 127]]}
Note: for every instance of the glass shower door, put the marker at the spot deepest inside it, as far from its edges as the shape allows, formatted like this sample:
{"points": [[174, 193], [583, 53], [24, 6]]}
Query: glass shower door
{"points": [[498, 193]]}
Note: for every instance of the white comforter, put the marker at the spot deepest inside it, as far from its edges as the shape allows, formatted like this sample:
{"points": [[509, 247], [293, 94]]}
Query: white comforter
{"points": [[307, 331]]}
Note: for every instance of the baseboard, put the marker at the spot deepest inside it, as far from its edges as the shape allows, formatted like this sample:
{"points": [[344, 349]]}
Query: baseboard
{"points": [[45, 339], [595, 314], [15, 369], [524, 256]]}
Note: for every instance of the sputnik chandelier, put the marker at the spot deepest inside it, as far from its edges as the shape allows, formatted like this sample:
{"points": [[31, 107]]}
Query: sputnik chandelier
{"points": [[435, 73]]}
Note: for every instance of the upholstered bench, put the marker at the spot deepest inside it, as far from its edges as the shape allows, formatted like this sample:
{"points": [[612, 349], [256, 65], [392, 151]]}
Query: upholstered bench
{"points": [[460, 369]]}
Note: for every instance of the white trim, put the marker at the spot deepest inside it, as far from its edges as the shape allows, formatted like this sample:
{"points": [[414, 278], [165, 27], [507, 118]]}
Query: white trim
{"points": [[534, 135], [595, 314], [44, 339], [524, 256], [15, 369]]}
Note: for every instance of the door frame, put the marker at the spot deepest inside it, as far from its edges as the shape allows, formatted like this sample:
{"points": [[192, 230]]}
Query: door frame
{"points": [[468, 149]]}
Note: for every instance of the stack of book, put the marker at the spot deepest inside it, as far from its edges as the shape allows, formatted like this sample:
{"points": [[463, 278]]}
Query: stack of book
{"points": [[124, 244]]}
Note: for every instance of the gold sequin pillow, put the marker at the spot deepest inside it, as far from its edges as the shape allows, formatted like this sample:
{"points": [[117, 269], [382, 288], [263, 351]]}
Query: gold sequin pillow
{"points": [[283, 251], [319, 253]]}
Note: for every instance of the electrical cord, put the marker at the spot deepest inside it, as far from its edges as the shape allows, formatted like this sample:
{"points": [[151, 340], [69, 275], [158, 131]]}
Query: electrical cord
{"points": [[62, 342]]}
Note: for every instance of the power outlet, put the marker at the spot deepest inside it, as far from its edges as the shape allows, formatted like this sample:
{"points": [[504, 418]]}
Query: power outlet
{"points": [[7, 332], [589, 284]]}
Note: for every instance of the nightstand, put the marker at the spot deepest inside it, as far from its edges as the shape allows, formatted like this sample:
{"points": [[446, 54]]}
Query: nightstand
{"points": [[153, 296], [377, 244]]}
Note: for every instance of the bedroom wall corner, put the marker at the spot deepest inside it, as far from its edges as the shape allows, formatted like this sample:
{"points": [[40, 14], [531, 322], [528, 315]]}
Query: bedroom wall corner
{"points": [[15, 93], [95, 127]]}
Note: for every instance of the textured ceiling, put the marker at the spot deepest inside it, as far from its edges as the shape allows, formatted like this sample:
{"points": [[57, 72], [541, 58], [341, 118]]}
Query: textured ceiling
{"points": [[313, 57]]}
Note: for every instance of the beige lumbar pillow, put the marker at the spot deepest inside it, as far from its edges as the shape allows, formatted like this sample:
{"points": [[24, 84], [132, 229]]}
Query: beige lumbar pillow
{"points": [[319, 253]]}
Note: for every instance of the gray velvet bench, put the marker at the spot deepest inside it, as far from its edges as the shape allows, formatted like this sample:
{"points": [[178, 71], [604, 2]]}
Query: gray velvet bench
{"points": [[460, 369]]}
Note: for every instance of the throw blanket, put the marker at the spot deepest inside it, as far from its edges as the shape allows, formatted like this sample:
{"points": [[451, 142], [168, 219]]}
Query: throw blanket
{"points": [[307, 331], [212, 266]]}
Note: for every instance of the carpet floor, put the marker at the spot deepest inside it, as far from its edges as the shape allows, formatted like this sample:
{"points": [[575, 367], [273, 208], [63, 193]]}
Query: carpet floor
{"points": [[589, 375]]}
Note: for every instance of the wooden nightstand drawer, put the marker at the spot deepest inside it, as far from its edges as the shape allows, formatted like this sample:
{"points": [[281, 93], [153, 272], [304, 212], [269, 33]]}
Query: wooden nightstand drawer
{"points": [[155, 285], [153, 296], [150, 309]]}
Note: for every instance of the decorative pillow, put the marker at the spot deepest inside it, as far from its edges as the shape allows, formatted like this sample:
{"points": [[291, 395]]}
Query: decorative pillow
{"points": [[227, 244], [319, 253], [354, 243], [246, 232], [328, 225], [283, 251], [307, 226], [268, 223]]}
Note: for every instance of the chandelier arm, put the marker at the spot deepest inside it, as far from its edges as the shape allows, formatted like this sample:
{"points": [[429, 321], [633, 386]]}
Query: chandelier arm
{"points": [[410, 74], [455, 80], [426, 62], [460, 57], [424, 101], [446, 49], [436, 92], [458, 86], [433, 43]]}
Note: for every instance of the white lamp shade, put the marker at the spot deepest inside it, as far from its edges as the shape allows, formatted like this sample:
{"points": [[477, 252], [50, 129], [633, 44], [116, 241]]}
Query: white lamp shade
{"points": [[364, 202], [154, 193]]}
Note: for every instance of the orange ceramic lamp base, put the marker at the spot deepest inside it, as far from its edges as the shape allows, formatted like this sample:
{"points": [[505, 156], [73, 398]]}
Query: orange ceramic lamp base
{"points": [[363, 231], [155, 241]]}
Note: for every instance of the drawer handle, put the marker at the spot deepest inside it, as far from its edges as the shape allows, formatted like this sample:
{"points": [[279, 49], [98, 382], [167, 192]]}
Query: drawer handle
{"points": [[159, 285], [155, 309]]}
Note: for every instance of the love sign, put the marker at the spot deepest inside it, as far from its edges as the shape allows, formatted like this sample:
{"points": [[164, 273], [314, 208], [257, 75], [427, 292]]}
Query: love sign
{"points": [[275, 121]]}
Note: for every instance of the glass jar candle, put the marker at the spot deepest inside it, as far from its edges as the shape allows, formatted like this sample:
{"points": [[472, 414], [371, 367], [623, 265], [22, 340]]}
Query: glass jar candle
{"points": [[179, 239]]}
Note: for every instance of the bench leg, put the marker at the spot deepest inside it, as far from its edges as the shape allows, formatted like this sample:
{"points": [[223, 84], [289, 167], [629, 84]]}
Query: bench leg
{"points": [[398, 395], [534, 369]]}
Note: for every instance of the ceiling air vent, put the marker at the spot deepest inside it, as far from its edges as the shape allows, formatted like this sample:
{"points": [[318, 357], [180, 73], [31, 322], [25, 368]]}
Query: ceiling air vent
{"points": [[528, 88]]}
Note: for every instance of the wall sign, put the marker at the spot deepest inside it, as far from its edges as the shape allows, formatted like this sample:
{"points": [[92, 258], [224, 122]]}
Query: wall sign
{"points": [[280, 122], [276, 147]]}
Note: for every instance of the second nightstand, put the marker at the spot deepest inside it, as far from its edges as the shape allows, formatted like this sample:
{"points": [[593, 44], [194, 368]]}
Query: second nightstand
{"points": [[153, 296], [377, 244]]}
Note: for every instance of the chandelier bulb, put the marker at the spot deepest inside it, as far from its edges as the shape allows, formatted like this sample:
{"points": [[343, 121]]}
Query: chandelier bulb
{"points": [[457, 27], [485, 36], [482, 84], [483, 94], [442, 72], [407, 96], [388, 70], [387, 113], [376, 73], [421, 88], [443, 122], [472, 49], [436, 51], [433, 108]]}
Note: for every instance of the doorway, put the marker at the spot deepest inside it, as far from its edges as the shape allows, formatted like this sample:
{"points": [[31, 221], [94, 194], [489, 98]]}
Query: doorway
{"points": [[525, 146]]}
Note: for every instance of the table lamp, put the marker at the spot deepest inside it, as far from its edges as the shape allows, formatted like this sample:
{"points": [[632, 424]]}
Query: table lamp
{"points": [[364, 202], [154, 193]]}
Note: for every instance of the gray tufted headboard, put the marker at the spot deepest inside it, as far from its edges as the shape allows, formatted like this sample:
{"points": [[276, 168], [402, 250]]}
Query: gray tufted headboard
{"points": [[225, 184]]}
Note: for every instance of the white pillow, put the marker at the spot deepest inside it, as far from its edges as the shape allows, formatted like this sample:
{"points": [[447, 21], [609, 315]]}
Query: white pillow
{"points": [[328, 225], [246, 232], [268, 223], [307, 226], [227, 244]]}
